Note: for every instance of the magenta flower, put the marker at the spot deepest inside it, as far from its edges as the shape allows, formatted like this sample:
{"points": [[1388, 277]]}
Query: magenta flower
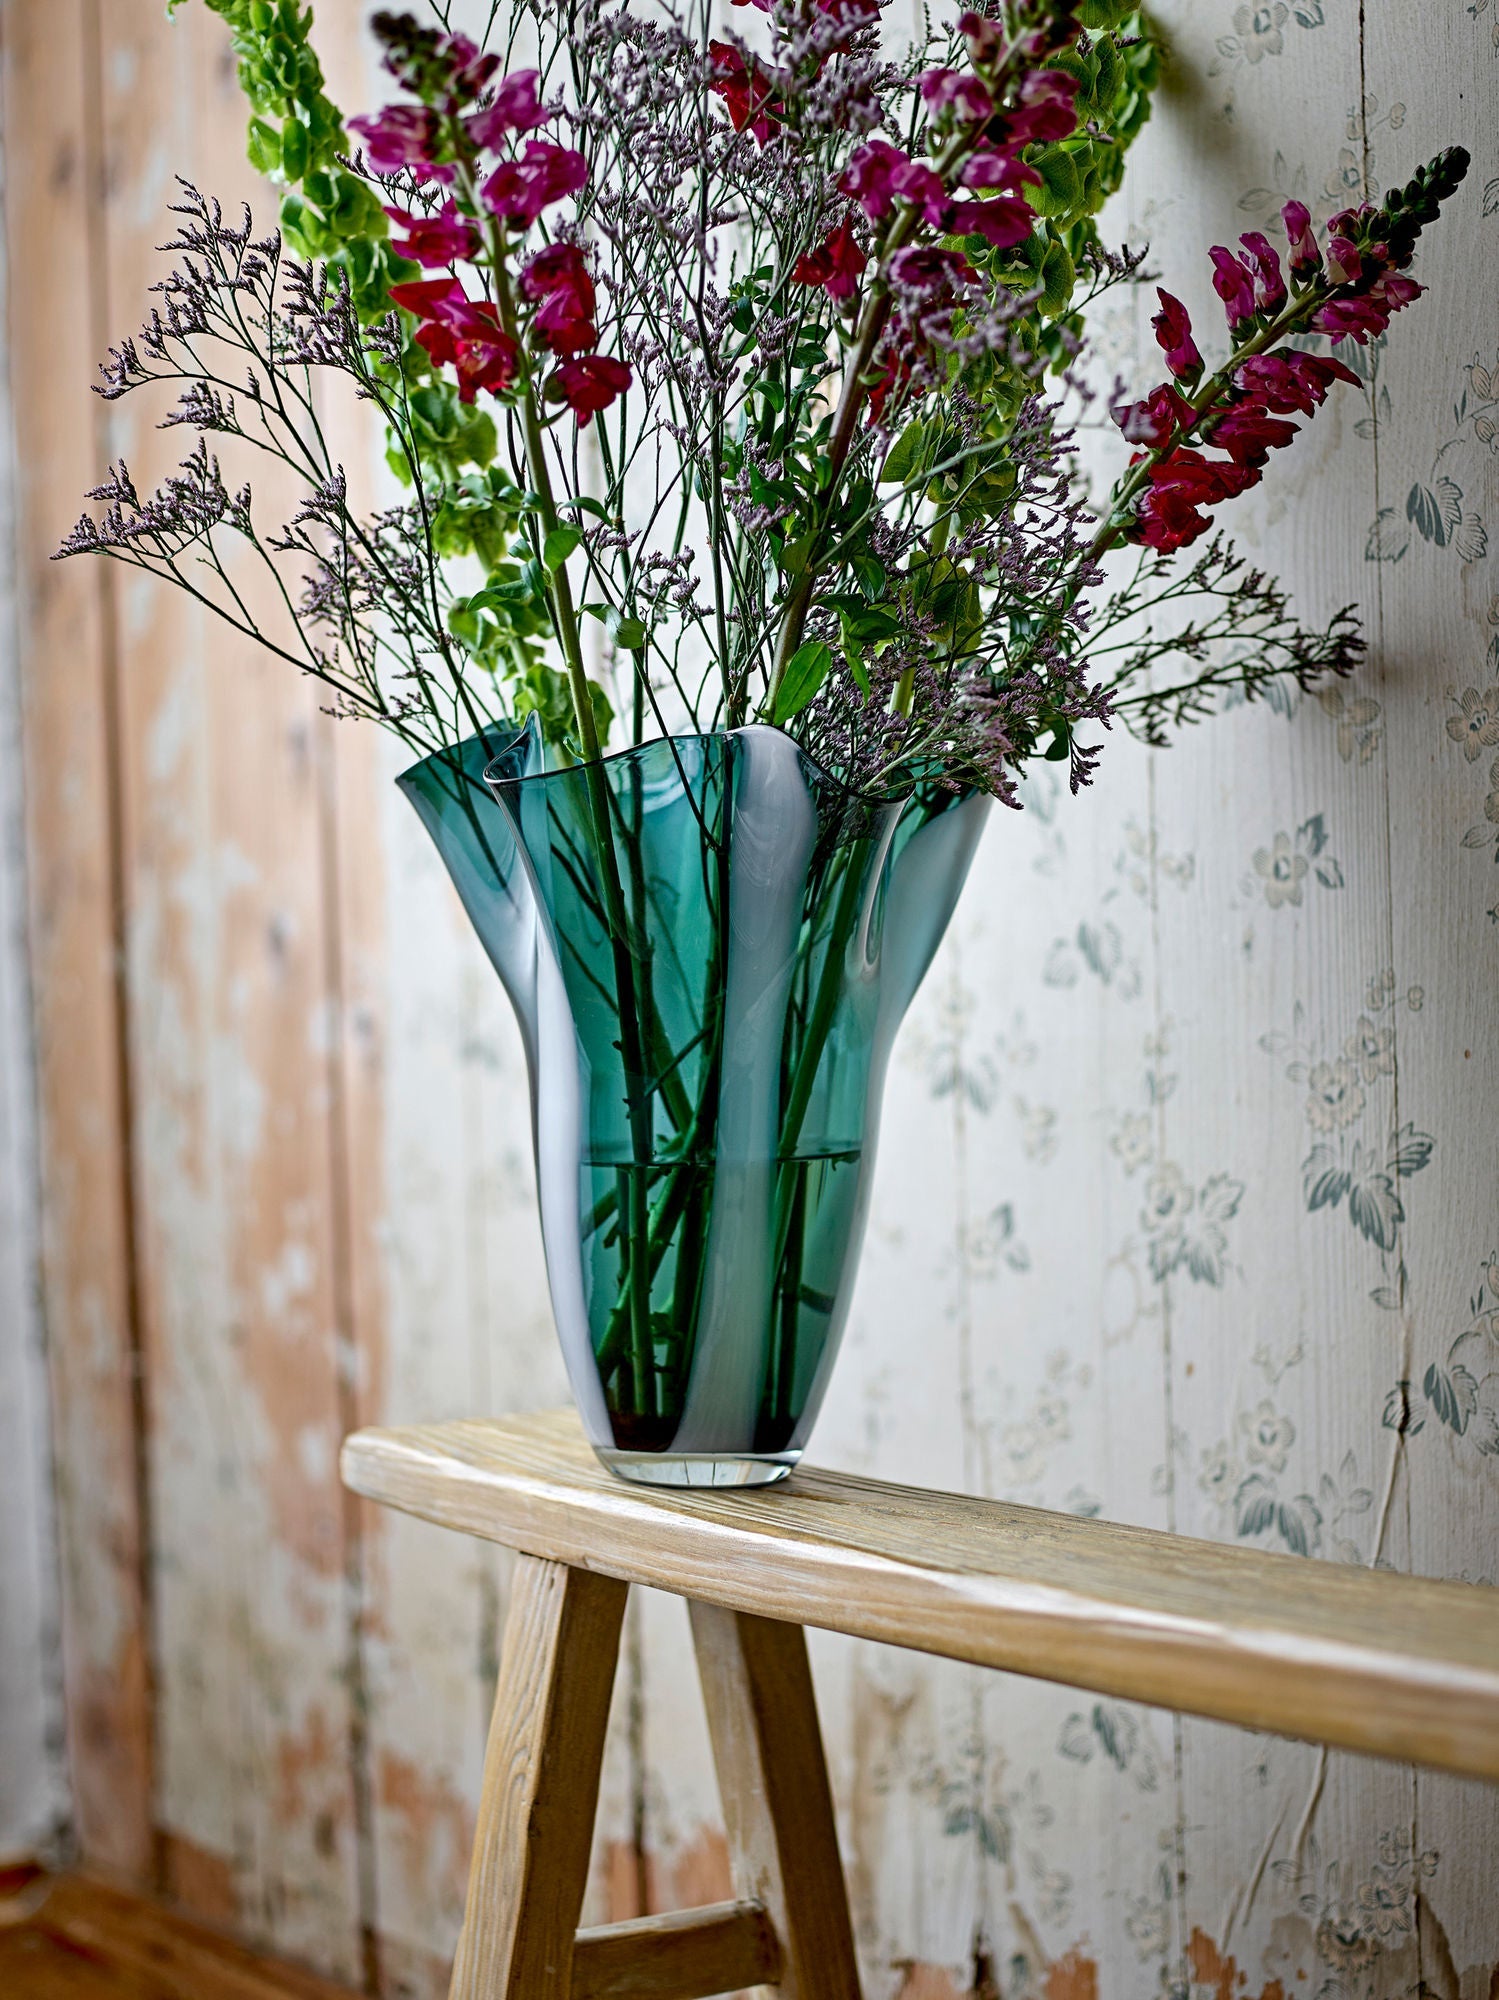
{"points": [[1004, 170], [1003, 222], [457, 331], [434, 240], [870, 174], [917, 184], [1235, 286], [1306, 257], [1249, 435], [1344, 264], [923, 270], [1290, 380], [402, 135], [1264, 261], [963, 95], [1046, 110], [515, 107], [591, 383], [1173, 332], [836, 265], [1152, 420], [518, 190]]}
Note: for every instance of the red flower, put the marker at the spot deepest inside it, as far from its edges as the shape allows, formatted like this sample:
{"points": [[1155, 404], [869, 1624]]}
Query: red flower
{"points": [[591, 384], [1306, 257], [515, 107], [435, 240], [558, 279], [1264, 261], [1003, 223], [455, 331], [1234, 285], [894, 379], [402, 135], [1173, 332], [870, 175], [487, 356], [1357, 315], [748, 89], [992, 169], [964, 96], [518, 190], [837, 264], [1249, 435], [1151, 421], [1046, 111], [1290, 380], [1168, 515]]}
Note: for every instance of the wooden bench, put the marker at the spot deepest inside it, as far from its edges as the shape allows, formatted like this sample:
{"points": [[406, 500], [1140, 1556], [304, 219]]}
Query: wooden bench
{"points": [[1366, 1660]]}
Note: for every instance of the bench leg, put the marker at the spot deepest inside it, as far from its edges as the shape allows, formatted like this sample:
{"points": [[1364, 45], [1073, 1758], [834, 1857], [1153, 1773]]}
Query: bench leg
{"points": [[773, 1780], [541, 1784]]}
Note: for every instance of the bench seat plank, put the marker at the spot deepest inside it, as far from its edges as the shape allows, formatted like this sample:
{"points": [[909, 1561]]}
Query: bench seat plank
{"points": [[1367, 1660]]}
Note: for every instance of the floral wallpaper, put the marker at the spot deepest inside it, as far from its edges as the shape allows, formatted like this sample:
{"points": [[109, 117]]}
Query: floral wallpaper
{"points": [[1188, 1207]]}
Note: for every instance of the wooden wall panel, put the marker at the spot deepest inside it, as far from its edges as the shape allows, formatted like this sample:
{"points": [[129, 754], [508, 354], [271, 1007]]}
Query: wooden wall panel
{"points": [[53, 183]]}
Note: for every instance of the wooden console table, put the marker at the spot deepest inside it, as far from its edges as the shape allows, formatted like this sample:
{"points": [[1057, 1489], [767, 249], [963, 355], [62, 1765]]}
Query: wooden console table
{"points": [[1362, 1659]]}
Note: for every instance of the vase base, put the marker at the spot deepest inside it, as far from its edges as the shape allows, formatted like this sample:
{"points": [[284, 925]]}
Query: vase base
{"points": [[693, 1468]]}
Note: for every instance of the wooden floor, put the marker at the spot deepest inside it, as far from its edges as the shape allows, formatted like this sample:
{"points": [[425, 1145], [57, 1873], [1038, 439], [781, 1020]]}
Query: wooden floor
{"points": [[71, 1938]]}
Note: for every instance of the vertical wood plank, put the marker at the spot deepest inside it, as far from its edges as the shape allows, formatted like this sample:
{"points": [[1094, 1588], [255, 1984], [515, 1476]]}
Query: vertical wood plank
{"points": [[54, 186], [772, 1778], [541, 1784]]}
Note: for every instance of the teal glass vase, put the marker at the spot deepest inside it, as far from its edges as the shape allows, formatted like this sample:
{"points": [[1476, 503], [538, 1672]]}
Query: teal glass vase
{"points": [[709, 944]]}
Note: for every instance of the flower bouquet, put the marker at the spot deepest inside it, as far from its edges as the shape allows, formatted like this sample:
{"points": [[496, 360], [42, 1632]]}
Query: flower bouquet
{"points": [[735, 559]]}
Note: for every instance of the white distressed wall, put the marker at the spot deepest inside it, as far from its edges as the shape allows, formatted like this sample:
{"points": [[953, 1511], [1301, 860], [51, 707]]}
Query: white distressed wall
{"points": [[32, 1803]]}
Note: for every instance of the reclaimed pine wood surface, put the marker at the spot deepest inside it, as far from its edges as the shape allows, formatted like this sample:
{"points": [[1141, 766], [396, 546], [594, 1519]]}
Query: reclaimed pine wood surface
{"points": [[1400, 1666], [1083, 1074]]}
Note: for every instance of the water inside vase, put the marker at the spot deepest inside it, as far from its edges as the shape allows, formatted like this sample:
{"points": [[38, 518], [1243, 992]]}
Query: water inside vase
{"points": [[667, 1206]]}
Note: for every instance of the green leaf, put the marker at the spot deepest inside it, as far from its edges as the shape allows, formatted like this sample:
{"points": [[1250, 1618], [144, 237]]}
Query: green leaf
{"points": [[904, 456], [559, 545], [294, 149], [805, 673]]}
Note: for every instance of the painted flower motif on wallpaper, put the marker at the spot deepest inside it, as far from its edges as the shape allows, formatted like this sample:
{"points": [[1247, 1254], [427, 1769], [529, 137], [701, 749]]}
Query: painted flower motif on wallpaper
{"points": [[1350, 1166], [1281, 869], [1355, 718], [1118, 1736], [1461, 1393], [1260, 30], [1357, 1922], [1435, 508], [1474, 727]]}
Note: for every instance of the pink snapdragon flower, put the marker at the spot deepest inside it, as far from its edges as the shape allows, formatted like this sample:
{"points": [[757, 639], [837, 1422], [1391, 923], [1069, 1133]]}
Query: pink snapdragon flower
{"points": [[870, 174], [1046, 111], [1263, 260], [515, 107], [462, 333], [1291, 380], [958, 92], [1152, 420], [518, 190], [1173, 332], [402, 135], [1306, 253], [749, 89], [1004, 170], [1234, 284], [1249, 434], [434, 240]]}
